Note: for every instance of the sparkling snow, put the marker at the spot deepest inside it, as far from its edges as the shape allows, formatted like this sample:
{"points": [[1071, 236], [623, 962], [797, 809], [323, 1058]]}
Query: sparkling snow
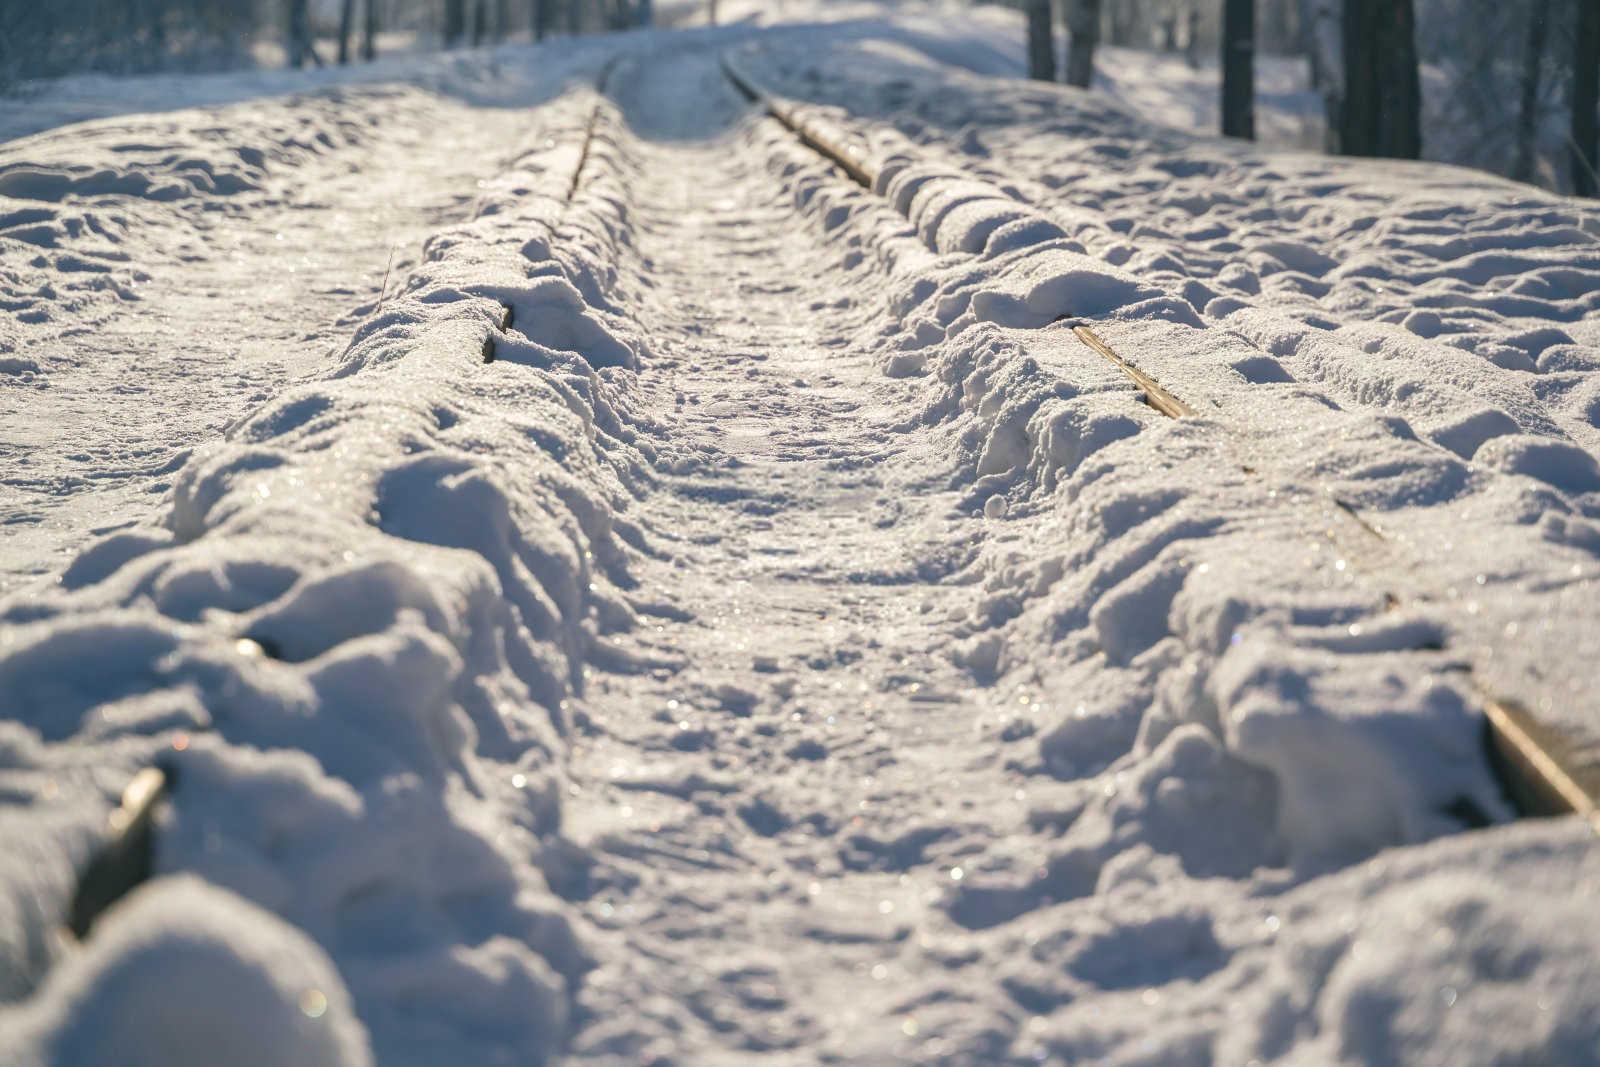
{"points": [[609, 587]]}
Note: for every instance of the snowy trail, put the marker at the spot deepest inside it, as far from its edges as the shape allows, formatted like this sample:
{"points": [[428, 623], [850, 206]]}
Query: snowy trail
{"points": [[812, 697], [252, 286]]}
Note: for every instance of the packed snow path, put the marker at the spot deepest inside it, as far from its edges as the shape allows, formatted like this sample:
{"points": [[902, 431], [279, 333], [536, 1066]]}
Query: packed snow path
{"points": [[753, 810], [714, 612]]}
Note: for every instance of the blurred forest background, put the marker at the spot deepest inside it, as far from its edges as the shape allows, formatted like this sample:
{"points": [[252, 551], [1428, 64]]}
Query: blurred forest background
{"points": [[1504, 85]]}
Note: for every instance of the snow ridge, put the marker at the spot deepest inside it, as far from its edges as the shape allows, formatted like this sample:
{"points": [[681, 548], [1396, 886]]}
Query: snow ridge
{"points": [[351, 641]]}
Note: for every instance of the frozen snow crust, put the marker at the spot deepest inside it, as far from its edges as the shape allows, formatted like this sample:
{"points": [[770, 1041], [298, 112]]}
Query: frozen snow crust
{"points": [[732, 617], [350, 641]]}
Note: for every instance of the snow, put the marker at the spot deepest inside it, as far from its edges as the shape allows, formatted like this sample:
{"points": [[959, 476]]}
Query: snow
{"points": [[213, 952], [688, 607]]}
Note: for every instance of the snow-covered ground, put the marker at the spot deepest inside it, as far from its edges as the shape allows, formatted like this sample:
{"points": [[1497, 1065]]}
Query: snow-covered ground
{"points": [[701, 610]]}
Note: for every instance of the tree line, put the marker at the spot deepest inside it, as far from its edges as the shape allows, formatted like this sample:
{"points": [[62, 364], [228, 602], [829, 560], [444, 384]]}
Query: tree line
{"points": [[1514, 82], [48, 38], [455, 23], [1508, 71]]}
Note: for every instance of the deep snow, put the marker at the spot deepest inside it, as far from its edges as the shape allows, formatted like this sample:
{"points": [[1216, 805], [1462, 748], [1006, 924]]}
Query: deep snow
{"points": [[711, 611]]}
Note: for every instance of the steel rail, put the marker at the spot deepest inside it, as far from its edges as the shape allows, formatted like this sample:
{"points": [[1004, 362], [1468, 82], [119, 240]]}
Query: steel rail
{"points": [[848, 159], [126, 856]]}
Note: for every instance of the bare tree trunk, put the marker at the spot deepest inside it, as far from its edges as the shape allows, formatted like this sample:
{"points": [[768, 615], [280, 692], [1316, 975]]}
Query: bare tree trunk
{"points": [[574, 16], [480, 21], [711, 15], [1382, 113], [1123, 16], [1191, 41], [1532, 70], [1041, 42], [1320, 22], [455, 22], [347, 18], [1239, 69], [299, 45], [158, 36], [1585, 96], [541, 19], [369, 32], [1083, 19]]}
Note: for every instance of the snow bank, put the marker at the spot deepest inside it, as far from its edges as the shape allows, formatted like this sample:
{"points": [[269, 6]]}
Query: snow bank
{"points": [[71, 201], [1157, 582], [1431, 307], [351, 639], [184, 973]]}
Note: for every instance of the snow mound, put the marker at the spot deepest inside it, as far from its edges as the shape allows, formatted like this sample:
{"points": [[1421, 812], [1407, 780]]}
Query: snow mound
{"points": [[181, 972]]}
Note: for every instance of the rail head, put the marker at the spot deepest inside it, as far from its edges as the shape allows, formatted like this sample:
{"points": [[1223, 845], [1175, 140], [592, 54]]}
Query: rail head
{"points": [[126, 856], [847, 158]]}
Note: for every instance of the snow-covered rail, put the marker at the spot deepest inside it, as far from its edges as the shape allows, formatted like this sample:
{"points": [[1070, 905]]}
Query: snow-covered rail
{"points": [[434, 555], [124, 856], [730, 603], [868, 172], [1543, 771]]}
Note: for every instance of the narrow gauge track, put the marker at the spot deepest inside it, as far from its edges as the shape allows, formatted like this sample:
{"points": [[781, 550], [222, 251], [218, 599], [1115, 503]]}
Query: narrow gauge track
{"points": [[662, 855], [1542, 770]]}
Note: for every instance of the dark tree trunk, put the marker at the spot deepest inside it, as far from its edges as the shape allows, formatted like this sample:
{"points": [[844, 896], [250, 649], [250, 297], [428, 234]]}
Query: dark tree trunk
{"points": [[158, 36], [574, 16], [480, 22], [1083, 19], [347, 19], [1041, 42], [455, 22], [1532, 70], [1322, 33], [300, 49], [711, 16], [369, 32], [1382, 108], [1585, 91], [1239, 69], [502, 19], [1121, 18], [541, 19]]}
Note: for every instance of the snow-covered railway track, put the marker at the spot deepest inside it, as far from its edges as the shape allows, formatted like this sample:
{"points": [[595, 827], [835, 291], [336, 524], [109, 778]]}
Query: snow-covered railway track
{"points": [[1544, 770], [726, 606]]}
